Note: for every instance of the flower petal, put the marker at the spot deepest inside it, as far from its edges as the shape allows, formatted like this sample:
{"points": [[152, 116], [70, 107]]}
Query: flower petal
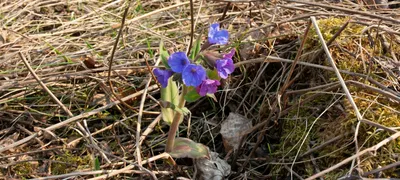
{"points": [[225, 67], [162, 76], [178, 61], [229, 55], [208, 86], [217, 36], [193, 75]]}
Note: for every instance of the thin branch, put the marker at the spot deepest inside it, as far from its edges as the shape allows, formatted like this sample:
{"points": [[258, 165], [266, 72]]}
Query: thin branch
{"points": [[335, 69], [44, 86], [342, 82], [129, 167], [139, 121], [368, 14], [73, 119], [347, 160], [117, 40], [382, 168], [191, 27]]}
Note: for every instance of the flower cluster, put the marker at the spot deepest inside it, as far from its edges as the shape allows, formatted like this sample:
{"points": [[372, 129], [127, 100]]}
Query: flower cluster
{"points": [[195, 75]]}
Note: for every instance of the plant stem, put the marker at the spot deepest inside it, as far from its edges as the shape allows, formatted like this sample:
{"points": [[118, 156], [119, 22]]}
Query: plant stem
{"points": [[175, 122], [191, 28]]}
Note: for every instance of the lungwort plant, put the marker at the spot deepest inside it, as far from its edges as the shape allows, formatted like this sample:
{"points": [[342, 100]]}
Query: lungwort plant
{"points": [[188, 79]]}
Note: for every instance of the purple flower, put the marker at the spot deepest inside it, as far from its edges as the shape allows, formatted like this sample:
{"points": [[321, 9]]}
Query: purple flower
{"points": [[162, 76], [217, 36], [225, 65], [193, 75], [229, 55], [208, 86], [178, 61]]}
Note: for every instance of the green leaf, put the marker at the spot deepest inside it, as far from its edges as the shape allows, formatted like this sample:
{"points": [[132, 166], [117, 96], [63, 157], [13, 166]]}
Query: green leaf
{"points": [[192, 96], [212, 74], [88, 45], [184, 147], [169, 94], [164, 55], [67, 59], [184, 110], [196, 48], [149, 47], [96, 164], [139, 7], [165, 104]]}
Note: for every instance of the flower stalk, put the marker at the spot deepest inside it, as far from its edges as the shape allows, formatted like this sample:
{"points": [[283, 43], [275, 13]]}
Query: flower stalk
{"points": [[196, 80], [175, 122]]}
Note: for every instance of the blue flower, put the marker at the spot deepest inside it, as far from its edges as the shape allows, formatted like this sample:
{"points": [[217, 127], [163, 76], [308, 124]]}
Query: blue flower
{"points": [[225, 65], [208, 86], [217, 36], [178, 61], [193, 75], [162, 76]]}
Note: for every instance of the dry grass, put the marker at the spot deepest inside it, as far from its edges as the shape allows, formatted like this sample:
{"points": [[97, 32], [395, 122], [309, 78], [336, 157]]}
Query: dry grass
{"points": [[302, 123]]}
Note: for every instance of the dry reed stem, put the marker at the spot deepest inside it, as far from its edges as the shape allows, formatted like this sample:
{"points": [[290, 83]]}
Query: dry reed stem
{"points": [[372, 149], [75, 118]]}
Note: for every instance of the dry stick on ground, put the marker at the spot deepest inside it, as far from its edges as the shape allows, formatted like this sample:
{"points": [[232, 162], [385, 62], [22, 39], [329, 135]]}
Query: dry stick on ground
{"points": [[29, 133], [112, 57], [139, 120], [324, 144], [107, 26], [70, 75], [145, 133], [365, 151], [388, 92], [379, 125], [277, 101], [348, 82], [86, 173], [292, 172], [117, 40], [152, 175], [138, 155], [287, 83], [191, 27], [83, 132], [149, 129], [348, 11], [382, 168], [341, 80], [329, 86], [224, 13], [43, 85], [129, 167], [75, 118]]}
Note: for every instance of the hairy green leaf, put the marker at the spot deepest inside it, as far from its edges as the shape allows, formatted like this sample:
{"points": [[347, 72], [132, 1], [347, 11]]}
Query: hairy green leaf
{"points": [[196, 48], [164, 55], [184, 147], [192, 96], [213, 74], [166, 104], [169, 94]]}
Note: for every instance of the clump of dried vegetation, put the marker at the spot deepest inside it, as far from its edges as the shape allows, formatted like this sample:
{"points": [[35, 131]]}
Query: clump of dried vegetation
{"points": [[303, 122]]}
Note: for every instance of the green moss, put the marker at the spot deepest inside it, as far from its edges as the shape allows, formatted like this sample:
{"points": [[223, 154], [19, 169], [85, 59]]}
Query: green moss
{"points": [[69, 162], [373, 106], [24, 170]]}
